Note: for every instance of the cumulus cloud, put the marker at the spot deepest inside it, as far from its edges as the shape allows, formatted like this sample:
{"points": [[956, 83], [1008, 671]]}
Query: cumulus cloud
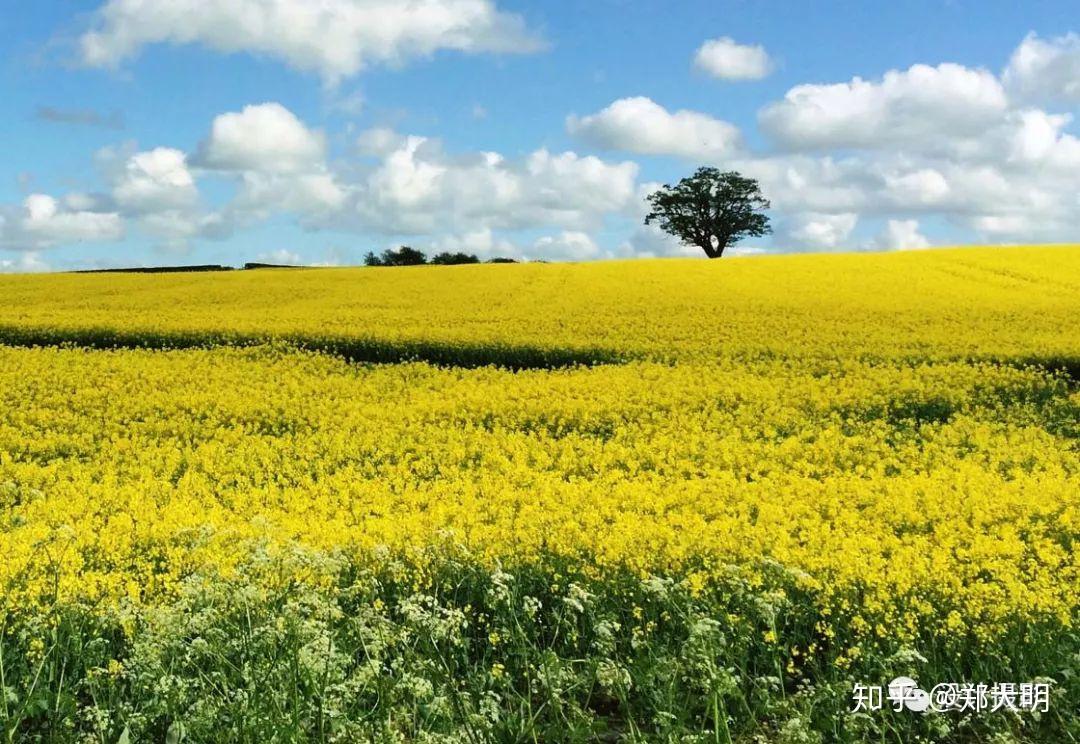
{"points": [[264, 138], [28, 262], [970, 194], [725, 59], [378, 141], [950, 141], [334, 38], [154, 181], [1045, 70], [643, 126], [920, 187], [567, 246], [277, 160], [43, 222], [944, 141], [280, 256], [154, 191], [817, 231], [307, 194], [901, 235], [918, 106], [1037, 138], [47, 222], [401, 185], [411, 177], [482, 243], [417, 188], [913, 148], [803, 183]]}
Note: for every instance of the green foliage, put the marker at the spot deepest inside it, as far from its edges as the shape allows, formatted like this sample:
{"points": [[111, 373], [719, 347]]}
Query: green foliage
{"points": [[450, 259], [460, 652], [711, 210], [403, 256]]}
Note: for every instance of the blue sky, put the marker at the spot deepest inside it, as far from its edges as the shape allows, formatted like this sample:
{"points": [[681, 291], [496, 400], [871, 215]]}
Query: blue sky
{"points": [[147, 132]]}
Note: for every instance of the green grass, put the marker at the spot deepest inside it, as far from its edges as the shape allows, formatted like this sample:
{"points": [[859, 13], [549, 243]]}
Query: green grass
{"points": [[541, 653]]}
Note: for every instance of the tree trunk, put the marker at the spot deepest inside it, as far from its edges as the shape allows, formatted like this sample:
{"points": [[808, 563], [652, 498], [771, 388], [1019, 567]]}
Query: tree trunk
{"points": [[713, 250]]}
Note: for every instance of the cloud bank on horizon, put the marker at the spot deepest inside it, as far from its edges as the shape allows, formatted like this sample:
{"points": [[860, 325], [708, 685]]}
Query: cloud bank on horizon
{"points": [[990, 155]]}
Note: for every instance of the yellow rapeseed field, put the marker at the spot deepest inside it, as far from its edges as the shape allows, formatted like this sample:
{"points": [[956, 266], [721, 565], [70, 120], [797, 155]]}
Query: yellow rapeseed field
{"points": [[886, 443], [927, 487], [927, 305]]}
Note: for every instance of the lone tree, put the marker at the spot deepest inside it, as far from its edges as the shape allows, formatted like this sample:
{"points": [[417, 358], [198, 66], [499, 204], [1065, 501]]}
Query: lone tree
{"points": [[711, 210]]}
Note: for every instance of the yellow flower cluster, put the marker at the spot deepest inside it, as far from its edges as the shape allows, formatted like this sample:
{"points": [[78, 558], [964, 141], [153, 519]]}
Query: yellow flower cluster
{"points": [[997, 304], [898, 493], [825, 415]]}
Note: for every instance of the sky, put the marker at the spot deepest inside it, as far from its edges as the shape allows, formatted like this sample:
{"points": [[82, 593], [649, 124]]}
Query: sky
{"points": [[151, 132]]}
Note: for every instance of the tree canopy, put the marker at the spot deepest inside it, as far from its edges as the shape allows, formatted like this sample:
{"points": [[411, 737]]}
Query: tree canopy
{"points": [[450, 259], [711, 209], [406, 256], [403, 256]]}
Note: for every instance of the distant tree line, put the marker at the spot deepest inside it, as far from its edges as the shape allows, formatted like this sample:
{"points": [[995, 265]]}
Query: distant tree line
{"points": [[406, 256], [157, 269]]}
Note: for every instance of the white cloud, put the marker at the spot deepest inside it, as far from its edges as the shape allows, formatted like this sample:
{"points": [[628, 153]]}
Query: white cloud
{"points": [[969, 193], [998, 226], [725, 59], [917, 107], [379, 141], [1045, 70], [800, 183], [576, 185], [279, 166], [280, 256], [306, 194], [28, 262], [925, 186], [334, 38], [43, 222], [921, 146], [155, 192], [949, 141], [153, 181], [640, 125], [80, 202], [1036, 138], [418, 189], [263, 138], [175, 228], [649, 241], [280, 163], [901, 235], [481, 243], [822, 231], [567, 246], [407, 180]]}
